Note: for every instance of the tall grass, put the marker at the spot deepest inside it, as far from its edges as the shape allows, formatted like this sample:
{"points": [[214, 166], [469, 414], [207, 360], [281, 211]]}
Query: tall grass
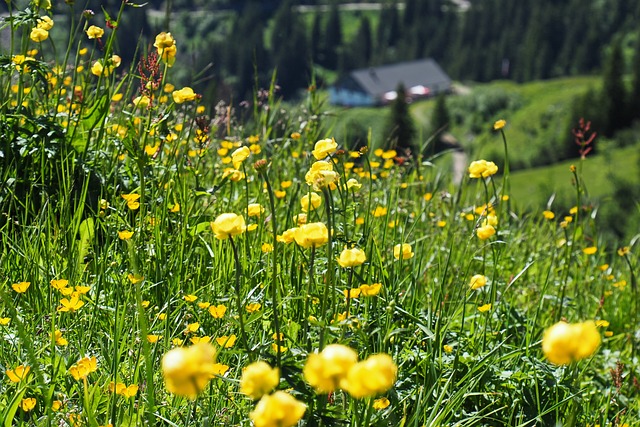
{"points": [[73, 154]]}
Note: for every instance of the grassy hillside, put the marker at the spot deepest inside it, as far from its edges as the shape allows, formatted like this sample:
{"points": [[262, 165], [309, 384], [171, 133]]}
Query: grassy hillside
{"points": [[537, 113], [533, 187]]}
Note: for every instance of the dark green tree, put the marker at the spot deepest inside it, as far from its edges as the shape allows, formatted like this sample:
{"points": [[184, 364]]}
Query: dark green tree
{"points": [[634, 99], [400, 129], [332, 37], [315, 39], [440, 117], [614, 99]]}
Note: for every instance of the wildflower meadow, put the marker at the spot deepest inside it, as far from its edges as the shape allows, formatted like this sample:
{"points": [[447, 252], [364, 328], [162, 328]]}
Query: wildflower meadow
{"points": [[166, 264]]}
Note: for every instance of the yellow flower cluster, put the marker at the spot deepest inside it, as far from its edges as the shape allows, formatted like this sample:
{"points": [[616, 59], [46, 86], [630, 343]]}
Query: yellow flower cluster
{"points": [[83, 368], [337, 366], [18, 374], [165, 44], [564, 343]]}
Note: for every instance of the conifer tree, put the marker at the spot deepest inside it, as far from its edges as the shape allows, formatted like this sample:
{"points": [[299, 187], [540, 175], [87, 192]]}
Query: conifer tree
{"points": [[634, 101], [614, 100], [333, 37], [400, 130]]}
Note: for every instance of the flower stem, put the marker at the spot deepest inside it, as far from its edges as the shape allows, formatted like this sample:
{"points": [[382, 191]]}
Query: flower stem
{"points": [[243, 334]]}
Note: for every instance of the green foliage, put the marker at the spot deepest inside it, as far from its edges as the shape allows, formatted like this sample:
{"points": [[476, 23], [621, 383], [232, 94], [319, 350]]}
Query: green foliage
{"points": [[119, 200], [400, 131]]}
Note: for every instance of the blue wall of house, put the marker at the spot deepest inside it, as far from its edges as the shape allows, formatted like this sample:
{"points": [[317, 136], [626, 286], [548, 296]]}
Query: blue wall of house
{"points": [[349, 98]]}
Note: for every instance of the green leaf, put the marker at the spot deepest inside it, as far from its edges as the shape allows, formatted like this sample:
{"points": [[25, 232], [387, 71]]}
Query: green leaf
{"points": [[12, 408]]}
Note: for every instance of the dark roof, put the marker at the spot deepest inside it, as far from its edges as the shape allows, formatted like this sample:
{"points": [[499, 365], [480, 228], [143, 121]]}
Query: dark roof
{"points": [[377, 81]]}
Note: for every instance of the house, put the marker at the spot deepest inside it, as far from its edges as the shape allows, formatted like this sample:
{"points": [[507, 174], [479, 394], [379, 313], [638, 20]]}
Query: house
{"points": [[377, 85]]}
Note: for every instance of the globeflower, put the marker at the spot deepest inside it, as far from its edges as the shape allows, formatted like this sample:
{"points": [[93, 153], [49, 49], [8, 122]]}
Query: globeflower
{"points": [[166, 47], [228, 225], [83, 368], [18, 374], [94, 32], [321, 175], [278, 410], [312, 235], [187, 371], [482, 169], [352, 257], [324, 371], [45, 23], [485, 232], [259, 379], [477, 281], [403, 251], [373, 376], [310, 201], [39, 35], [499, 124], [183, 95], [239, 156], [324, 147], [564, 343]]}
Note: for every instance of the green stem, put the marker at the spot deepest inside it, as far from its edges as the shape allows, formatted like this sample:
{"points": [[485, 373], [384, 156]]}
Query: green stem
{"points": [[243, 334], [274, 271], [329, 282]]}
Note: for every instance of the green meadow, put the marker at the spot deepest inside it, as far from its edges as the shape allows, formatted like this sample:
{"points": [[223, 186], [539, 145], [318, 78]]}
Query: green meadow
{"points": [[163, 264]]}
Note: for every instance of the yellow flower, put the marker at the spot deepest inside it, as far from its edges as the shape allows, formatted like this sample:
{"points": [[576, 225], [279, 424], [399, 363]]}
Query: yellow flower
{"points": [[4, 321], [70, 305], [45, 23], [190, 298], [197, 340], [352, 257], [352, 293], [166, 47], [324, 147], [125, 234], [624, 251], [152, 339], [300, 219], [94, 32], [59, 339], [254, 209], [21, 287], [18, 374], [485, 232], [403, 251], [187, 371], [310, 201], [266, 248], [499, 124], [370, 290], [312, 235], [477, 281], [56, 405], [135, 278], [220, 369], [564, 343], [253, 307], [353, 183], [192, 327], [548, 215], [226, 341], [379, 211], [217, 312], [447, 348], [288, 236], [83, 368], [239, 156], [381, 403], [183, 95], [39, 35], [204, 305], [279, 409], [325, 370], [132, 200], [321, 175], [602, 323], [228, 225], [590, 250], [142, 101], [259, 379], [482, 169], [28, 404], [375, 375], [484, 308]]}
